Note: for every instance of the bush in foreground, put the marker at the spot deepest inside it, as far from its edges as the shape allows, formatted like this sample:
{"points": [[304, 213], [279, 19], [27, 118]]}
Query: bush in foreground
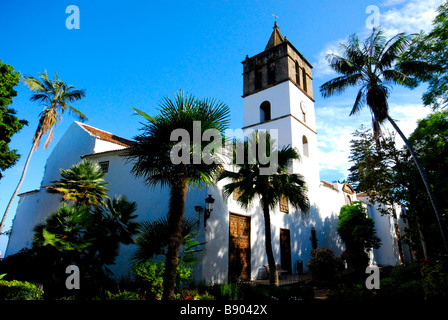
{"points": [[19, 290]]}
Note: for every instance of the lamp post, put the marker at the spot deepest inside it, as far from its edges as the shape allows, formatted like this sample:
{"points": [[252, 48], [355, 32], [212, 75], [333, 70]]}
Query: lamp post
{"points": [[209, 204]]}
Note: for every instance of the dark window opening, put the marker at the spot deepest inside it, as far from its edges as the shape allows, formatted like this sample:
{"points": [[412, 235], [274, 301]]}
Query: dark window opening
{"points": [[297, 74], [304, 79], [104, 166], [265, 111]]}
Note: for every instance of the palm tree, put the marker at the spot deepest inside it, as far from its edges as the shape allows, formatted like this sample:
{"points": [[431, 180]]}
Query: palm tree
{"points": [[373, 66], [113, 224], [151, 157], [55, 95], [83, 184], [89, 236], [65, 229], [251, 185], [153, 238]]}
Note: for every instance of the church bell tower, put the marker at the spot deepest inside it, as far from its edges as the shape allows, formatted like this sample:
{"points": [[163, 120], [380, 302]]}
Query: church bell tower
{"points": [[278, 94]]}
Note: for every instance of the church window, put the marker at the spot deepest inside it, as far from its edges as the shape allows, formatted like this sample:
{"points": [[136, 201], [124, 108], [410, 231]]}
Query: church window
{"points": [[271, 72], [265, 111], [284, 204], [305, 146], [304, 79], [104, 166], [348, 200], [297, 73], [258, 77]]}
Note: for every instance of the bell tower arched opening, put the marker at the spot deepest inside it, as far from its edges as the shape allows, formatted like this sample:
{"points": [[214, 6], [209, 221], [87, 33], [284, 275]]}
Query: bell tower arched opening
{"points": [[265, 111]]}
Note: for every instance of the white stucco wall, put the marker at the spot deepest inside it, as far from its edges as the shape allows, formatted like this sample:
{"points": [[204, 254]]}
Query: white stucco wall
{"points": [[74, 143], [33, 207], [322, 216], [152, 202], [388, 253], [284, 98]]}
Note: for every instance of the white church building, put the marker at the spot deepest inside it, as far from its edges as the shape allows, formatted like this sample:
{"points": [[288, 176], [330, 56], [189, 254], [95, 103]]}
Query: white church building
{"points": [[277, 94]]}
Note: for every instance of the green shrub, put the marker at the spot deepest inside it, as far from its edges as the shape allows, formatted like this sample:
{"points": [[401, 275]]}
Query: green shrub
{"points": [[435, 279], [357, 292], [151, 274], [255, 293], [323, 265], [407, 272], [397, 289], [124, 295], [195, 295], [226, 291], [19, 290]]}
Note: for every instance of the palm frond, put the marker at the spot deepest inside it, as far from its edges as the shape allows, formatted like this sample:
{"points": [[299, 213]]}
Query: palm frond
{"points": [[392, 50], [359, 101], [339, 84], [151, 155]]}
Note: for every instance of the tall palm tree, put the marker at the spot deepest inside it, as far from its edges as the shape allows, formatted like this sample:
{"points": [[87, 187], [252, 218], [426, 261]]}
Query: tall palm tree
{"points": [[83, 184], [151, 157], [373, 66], [251, 185], [55, 95]]}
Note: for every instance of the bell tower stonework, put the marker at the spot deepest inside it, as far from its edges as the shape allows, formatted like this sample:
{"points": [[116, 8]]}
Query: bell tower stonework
{"points": [[278, 94]]}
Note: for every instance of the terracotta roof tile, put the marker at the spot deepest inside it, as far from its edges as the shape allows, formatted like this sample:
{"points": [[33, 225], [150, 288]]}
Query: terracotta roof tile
{"points": [[107, 136]]}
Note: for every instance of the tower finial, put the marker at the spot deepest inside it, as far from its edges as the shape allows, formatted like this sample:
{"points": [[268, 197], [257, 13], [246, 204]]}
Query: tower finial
{"points": [[276, 36], [275, 21]]}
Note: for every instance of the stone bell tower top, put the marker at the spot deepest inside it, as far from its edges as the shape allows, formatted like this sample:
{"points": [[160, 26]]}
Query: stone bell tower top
{"points": [[276, 37], [279, 62]]}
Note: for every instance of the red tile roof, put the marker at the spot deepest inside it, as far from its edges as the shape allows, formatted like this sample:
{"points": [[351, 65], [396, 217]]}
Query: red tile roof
{"points": [[103, 135]]}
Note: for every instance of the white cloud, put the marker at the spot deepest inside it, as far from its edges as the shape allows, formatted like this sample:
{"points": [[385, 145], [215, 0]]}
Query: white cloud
{"points": [[411, 17], [406, 117], [320, 66], [335, 129], [334, 126], [392, 2], [334, 132]]}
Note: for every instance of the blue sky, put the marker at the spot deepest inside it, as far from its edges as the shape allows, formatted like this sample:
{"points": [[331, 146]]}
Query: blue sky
{"points": [[131, 53]]}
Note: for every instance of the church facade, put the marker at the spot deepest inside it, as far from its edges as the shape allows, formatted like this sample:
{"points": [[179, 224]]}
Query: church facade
{"points": [[277, 95]]}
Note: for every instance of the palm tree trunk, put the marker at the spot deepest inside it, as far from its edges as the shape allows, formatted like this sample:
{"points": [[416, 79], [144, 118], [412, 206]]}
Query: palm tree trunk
{"points": [[175, 217], [22, 178], [273, 275], [425, 182], [422, 237]]}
